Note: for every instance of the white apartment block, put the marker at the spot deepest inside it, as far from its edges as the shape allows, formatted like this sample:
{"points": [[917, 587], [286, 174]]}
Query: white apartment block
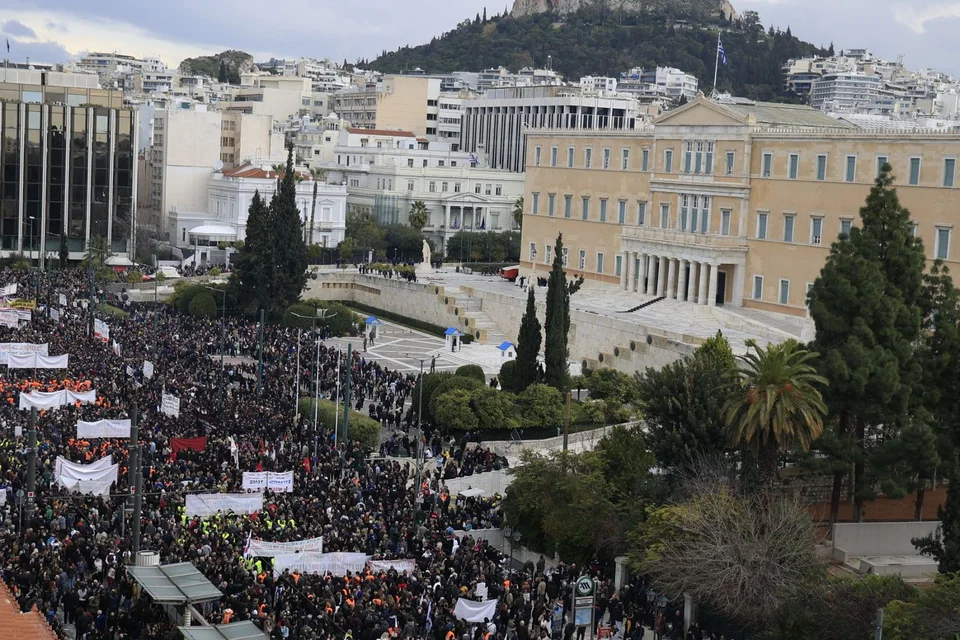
{"points": [[844, 92], [494, 125], [281, 97], [387, 171], [189, 146], [403, 103], [598, 83]]}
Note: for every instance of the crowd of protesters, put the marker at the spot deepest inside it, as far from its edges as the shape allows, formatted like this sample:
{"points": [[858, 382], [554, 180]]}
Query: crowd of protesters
{"points": [[67, 554]]}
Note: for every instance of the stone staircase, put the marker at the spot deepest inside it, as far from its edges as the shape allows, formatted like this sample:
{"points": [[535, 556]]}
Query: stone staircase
{"points": [[467, 316]]}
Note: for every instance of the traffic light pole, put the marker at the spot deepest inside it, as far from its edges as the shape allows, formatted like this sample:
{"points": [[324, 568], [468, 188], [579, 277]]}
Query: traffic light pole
{"points": [[31, 462]]}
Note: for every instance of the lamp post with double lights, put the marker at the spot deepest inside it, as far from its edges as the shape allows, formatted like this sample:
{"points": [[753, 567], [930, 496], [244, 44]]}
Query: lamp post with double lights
{"points": [[322, 314]]}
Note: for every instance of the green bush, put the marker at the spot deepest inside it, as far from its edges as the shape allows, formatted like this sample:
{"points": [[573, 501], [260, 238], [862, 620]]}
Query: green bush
{"points": [[362, 427], [430, 382], [184, 293], [493, 409], [134, 277], [508, 375], [215, 271], [540, 406], [609, 383], [299, 316], [203, 306], [452, 410], [449, 384], [474, 371], [340, 320]]}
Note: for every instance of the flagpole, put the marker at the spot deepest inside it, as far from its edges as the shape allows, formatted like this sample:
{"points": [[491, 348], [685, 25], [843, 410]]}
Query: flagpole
{"points": [[716, 66]]}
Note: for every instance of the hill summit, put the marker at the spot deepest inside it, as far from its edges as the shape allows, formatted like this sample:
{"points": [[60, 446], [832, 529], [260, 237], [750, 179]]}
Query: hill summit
{"points": [[689, 7]]}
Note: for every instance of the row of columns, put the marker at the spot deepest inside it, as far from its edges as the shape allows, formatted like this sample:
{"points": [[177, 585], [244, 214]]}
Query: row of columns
{"points": [[671, 278]]}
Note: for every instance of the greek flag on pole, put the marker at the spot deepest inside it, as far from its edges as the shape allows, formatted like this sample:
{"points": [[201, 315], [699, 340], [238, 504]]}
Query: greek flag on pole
{"points": [[723, 56]]}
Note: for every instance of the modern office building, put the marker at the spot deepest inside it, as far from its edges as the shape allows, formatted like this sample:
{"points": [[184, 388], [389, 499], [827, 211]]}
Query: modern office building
{"points": [[727, 203], [68, 165], [494, 125], [844, 92]]}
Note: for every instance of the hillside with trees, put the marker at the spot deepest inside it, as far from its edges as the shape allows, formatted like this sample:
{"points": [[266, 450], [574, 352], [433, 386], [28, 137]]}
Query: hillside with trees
{"points": [[596, 40], [225, 66]]}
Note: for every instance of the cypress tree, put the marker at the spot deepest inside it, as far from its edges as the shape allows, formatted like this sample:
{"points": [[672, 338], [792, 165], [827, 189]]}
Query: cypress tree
{"points": [[867, 305], [528, 346], [557, 326], [253, 266], [290, 250], [944, 545]]}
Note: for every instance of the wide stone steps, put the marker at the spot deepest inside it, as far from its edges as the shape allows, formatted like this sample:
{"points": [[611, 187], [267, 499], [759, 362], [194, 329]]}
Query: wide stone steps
{"points": [[468, 317]]}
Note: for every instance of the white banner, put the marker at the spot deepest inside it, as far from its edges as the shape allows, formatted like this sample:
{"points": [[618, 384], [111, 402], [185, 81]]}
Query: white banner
{"points": [[116, 347], [37, 361], [337, 564], [170, 405], [67, 473], [55, 399], [147, 369], [103, 429], [101, 330], [473, 611], [55, 315], [261, 549], [21, 348], [130, 371], [207, 504], [88, 487], [63, 300], [9, 290], [9, 319], [382, 566], [260, 480]]}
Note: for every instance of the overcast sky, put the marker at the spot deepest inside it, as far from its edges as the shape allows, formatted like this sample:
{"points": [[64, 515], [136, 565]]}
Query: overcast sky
{"points": [[56, 30]]}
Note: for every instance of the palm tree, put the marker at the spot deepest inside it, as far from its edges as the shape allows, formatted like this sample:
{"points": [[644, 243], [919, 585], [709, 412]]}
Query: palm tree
{"points": [[774, 403], [518, 212], [419, 215], [317, 174]]}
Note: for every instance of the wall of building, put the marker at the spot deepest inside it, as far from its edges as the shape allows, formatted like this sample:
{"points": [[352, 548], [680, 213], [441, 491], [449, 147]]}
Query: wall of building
{"points": [[402, 104], [191, 148]]}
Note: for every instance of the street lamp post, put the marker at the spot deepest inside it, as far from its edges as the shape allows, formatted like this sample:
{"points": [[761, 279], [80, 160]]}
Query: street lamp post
{"points": [[223, 338], [315, 403]]}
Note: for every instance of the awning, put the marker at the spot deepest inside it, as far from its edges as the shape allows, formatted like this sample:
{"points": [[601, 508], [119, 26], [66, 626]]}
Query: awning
{"points": [[472, 492], [118, 261], [245, 630], [214, 230], [177, 583]]}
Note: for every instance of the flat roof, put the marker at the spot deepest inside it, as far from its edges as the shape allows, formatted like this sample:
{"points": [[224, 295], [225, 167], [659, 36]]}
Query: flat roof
{"points": [[176, 583], [245, 630]]}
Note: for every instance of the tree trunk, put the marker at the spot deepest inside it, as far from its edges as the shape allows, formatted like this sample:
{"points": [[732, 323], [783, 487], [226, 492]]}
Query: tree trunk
{"points": [[918, 510], [842, 426], [858, 471], [313, 212], [768, 459]]}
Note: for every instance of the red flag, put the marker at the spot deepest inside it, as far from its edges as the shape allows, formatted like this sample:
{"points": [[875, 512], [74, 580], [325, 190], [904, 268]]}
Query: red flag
{"points": [[197, 444], [306, 464]]}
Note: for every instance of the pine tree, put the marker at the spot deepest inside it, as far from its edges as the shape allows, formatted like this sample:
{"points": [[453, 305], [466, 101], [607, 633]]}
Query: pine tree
{"points": [[253, 266], [290, 250], [557, 326], [867, 307], [944, 545], [528, 346], [484, 14], [222, 73]]}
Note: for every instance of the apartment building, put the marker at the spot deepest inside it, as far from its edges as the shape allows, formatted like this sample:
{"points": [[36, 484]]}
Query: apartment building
{"points": [[403, 103], [281, 97], [67, 168], [387, 171], [189, 146], [727, 203], [844, 92], [494, 125]]}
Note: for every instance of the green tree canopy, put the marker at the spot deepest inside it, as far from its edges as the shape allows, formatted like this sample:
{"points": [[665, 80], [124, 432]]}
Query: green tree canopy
{"points": [[202, 305], [540, 407]]}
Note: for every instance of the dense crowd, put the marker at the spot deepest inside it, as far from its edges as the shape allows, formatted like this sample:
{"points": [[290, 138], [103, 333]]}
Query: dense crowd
{"points": [[67, 554]]}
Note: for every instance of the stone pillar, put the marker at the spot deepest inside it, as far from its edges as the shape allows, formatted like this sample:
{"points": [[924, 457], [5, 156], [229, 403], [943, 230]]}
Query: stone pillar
{"points": [[682, 281], [622, 574], [661, 277], [641, 272], [738, 271], [631, 268], [625, 270], [692, 283], [651, 274], [446, 219], [712, 295], [671, 277], [704, 273]]}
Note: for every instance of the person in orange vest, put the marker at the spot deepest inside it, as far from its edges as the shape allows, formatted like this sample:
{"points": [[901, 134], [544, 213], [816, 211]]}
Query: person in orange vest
{"points": [[227, 615]]}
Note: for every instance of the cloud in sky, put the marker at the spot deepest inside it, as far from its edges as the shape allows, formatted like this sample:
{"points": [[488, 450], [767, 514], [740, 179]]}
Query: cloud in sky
{"points": [[175, 29]]}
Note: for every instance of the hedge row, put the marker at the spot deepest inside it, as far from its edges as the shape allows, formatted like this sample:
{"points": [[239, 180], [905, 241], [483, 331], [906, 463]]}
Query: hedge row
{"points": [[362, 427], [426, 327]]}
